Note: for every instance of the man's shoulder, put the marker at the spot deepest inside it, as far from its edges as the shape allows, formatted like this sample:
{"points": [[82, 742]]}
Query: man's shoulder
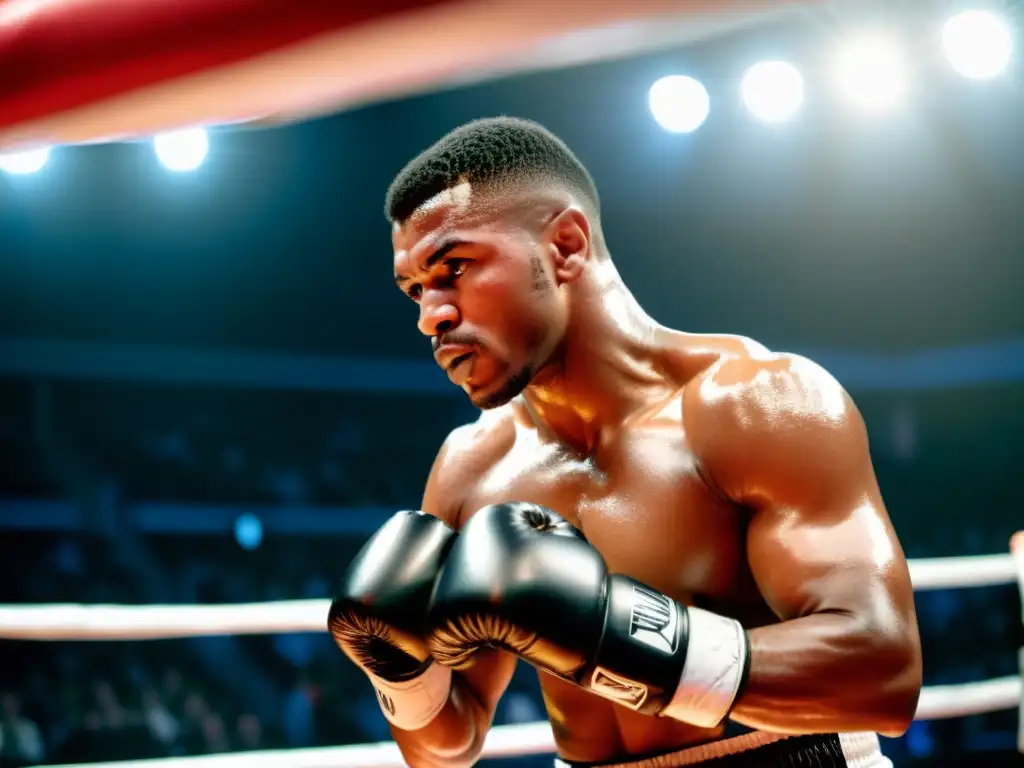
{"points": [[465, 457], [743, 383], [775, 427], [482, 440]]}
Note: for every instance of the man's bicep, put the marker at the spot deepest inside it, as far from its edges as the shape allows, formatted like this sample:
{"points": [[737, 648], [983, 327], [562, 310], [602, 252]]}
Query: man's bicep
{"points": [[820, 538], [837, 561], [788, 443]]}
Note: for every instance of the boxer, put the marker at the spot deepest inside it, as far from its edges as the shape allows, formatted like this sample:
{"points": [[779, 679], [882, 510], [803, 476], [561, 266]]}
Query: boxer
{"points": [[683, 533]]}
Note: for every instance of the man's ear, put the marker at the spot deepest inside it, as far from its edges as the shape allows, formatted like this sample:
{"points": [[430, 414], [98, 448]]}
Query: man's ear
{"points": [[569, 237]]}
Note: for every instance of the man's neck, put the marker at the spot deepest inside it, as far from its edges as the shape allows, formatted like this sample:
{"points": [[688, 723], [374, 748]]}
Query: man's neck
{"points": [[608, 367]]}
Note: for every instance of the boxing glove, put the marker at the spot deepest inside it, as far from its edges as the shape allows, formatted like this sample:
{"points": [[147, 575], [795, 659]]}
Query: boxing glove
{"points": [[379, 616], [522, 578]]}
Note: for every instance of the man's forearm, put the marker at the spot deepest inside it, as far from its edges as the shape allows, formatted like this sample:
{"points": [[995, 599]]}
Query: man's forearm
{"points": [[454, 738], [830, 672]]}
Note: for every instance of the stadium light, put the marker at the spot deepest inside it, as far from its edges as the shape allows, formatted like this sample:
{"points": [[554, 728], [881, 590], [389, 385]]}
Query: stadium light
{"points": [[871, 72], [773, 90], [248, 531], [978, 44], [679, 103], [182, 150], [24, 163]]}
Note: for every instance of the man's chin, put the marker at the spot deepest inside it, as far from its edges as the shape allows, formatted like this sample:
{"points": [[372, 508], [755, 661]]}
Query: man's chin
{"points": [[487, 397], [490, 402], [486, 400]]}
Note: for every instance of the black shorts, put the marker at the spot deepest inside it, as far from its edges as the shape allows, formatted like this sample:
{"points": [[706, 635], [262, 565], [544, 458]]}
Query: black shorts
{"points": [[762, 750]]}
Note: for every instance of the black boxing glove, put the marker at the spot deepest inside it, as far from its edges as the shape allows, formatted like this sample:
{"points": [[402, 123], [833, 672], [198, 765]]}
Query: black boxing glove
{"points": [[379, 617], [522, 578]]}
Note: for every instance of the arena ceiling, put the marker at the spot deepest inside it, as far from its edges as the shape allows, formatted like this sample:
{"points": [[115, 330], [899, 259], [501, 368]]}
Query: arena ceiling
{"points": [[836, 231]]}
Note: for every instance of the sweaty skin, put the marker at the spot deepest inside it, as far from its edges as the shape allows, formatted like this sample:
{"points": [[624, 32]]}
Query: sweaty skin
{"points": [[708, 467]]}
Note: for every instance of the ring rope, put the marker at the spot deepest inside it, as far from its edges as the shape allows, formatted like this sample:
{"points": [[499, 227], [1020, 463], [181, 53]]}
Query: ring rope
{"points": [[124, 622], [72, 621], [501, 741], [961, 572], [939, 701], [1017, 553]]}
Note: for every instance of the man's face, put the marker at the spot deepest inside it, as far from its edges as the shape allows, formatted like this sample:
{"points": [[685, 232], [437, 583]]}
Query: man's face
{"points": [[486, 299]]}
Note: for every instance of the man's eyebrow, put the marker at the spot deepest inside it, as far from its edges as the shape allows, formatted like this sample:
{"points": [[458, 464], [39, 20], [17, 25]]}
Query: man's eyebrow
{"points": [[433, 258]]}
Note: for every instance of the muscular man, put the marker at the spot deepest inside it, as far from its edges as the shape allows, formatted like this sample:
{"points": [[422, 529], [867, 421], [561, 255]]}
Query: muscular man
{"points": [[698, 560]]}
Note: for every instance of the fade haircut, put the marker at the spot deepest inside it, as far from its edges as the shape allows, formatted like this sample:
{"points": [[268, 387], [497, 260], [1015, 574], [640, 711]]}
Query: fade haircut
{"points": [[504, 151]]}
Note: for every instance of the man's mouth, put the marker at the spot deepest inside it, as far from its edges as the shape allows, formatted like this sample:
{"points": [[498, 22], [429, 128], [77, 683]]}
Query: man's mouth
{"points": [[459, 368], [446, 354]]}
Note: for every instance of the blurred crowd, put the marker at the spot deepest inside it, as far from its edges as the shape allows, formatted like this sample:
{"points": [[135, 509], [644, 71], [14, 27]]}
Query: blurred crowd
{"points": [[220, 445], [156, 714], [78, 702], [949, 493]]}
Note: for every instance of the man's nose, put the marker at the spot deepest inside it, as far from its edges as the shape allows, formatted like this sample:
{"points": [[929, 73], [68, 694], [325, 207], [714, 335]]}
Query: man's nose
{"points": [[437, 317]]}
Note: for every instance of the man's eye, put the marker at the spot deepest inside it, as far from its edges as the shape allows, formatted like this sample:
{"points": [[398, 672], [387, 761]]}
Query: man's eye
{"points": [[457, 267], [415, 291]]}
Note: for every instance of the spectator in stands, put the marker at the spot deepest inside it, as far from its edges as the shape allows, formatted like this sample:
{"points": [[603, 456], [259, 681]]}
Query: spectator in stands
{"points": [[215, 738], [162, 725], [248, 733], [299, 715], [20, 740]]}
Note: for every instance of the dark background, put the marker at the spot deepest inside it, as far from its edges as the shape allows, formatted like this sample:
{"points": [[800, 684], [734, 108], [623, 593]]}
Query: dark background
{"points": [[179, 350]]}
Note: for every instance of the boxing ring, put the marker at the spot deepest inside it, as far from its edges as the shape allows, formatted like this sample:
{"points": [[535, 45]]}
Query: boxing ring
{"points": [[162, 622], [88, 71]]}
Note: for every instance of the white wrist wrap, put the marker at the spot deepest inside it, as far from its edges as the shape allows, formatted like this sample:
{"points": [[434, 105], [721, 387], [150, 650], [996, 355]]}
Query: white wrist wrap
{"points": [[716, 659], [411, 704]]}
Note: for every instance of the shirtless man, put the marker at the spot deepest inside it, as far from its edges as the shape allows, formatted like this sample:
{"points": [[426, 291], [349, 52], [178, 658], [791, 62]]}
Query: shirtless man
{"points": [[682, 533]]}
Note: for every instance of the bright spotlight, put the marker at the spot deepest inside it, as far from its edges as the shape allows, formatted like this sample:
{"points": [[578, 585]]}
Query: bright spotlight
{"points": [[248, 531], [680, 104], [773, 90], [182, 150], [24, 163], [872, 73], [978, 44]]}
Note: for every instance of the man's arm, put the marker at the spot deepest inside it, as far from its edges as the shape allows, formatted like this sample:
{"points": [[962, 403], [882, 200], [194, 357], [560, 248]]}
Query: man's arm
{"points": [[456, 736], [781, 437]]}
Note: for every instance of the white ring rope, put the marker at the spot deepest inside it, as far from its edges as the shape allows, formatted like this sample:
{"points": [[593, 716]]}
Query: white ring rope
{"points": [[150, 622], [529, 739], [961, 572], [159, 622], [502, 741], [162, 622], [1017, 552]]}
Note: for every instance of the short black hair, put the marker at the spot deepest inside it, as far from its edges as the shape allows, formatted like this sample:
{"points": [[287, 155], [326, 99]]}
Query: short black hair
{"points": [[494, 149]]}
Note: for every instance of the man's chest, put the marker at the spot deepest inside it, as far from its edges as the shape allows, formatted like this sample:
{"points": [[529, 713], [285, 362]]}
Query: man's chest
{"points": [[640, 501]]}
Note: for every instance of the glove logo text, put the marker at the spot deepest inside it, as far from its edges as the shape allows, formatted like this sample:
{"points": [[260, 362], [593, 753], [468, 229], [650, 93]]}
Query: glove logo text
{"points": [[654, 620], [385, 701]]}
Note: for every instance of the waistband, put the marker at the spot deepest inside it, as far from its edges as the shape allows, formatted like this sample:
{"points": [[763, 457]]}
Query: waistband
{"points": [[759, 749]]}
